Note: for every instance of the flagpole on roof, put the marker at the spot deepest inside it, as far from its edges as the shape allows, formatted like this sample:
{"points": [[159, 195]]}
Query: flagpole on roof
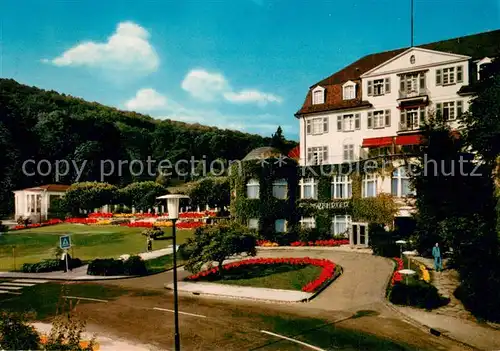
{"points": [[411, 23]]}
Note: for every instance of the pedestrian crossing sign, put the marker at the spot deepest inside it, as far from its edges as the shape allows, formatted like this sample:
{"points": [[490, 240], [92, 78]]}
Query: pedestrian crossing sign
{"points": [[65, 242]]}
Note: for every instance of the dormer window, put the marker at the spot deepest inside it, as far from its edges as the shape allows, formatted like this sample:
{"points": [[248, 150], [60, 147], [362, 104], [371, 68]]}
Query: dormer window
{"points": [[318, 95], [481, 65], [349, 90]]}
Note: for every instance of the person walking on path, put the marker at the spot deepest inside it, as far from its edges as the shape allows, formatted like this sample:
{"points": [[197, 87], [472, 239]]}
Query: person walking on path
{"points": [[438, 262]]}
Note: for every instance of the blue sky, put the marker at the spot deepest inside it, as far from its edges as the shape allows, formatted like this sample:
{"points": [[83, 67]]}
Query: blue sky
{"points": [[240, 64]]}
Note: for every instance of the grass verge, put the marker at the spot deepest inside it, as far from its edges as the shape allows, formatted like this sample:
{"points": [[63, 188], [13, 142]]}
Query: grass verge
{"points": [[162, 263]]}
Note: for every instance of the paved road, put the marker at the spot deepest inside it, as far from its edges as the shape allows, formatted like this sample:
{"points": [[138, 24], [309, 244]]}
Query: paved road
{"points": [[360, 288]]}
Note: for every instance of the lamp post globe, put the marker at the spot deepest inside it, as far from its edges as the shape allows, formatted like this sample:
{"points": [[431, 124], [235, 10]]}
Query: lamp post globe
{"points": [[173, 201]]}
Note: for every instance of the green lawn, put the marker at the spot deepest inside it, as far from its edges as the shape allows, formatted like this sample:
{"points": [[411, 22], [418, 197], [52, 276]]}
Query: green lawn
{"points": [[162, 263], [279, 276], [89, 242]]}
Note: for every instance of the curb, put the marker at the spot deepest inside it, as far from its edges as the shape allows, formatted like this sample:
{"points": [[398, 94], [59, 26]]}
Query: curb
{"points": [[324, 286], [306, 300], [93, 280], [234, 297], [313, 248], [427, 328]]}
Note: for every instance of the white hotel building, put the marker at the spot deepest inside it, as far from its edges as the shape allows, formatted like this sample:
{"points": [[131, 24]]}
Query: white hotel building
{"points": [[376, 105]]}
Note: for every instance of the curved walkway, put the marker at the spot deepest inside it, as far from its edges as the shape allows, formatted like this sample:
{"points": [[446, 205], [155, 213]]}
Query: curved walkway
{"points": [[363, 282]]}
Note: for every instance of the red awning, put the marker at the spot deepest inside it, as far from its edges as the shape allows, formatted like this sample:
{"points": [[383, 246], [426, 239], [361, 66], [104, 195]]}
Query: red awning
{"points": [[376, 142], [413, 139]]}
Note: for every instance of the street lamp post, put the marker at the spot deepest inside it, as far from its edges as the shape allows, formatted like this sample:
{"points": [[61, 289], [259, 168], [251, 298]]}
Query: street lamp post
{"points": [[173, 215]]}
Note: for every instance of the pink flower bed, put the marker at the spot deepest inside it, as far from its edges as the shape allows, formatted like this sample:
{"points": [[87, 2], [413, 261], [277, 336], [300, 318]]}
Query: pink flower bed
{"points": [[330, 243], [396, 276], [327, 273]]}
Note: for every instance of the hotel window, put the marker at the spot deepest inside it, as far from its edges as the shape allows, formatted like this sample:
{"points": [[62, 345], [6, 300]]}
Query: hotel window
{"points": [[280, 226], [412, 118], [340, 225], [349, 92], [341, 187], [308, 188], [280, 189], [253, 189], [318, 96], [308, 223], [317, 126], [378, 119], [317, 155], [400, 186], [450, 75], [412, 82], [253, 223], [369, 185], [348, 152], [450, 110], [348, 123], [378, 87], [38, 203]]}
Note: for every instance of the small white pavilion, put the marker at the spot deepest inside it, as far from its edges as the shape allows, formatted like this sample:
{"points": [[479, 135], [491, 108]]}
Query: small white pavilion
{"points": [[35, 202]]}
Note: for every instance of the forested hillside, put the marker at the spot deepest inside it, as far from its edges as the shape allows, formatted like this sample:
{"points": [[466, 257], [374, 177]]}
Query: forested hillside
{"points": [[37, 124]]}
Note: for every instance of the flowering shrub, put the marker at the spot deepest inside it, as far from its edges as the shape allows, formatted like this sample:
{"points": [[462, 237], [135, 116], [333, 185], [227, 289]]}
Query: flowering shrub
{"points": [[163, 223], [37, 225], [327, 273], [396, 276], [329, 243], [104, 222], [425, 273], [81, 220], [266, 243], [100, 215]]}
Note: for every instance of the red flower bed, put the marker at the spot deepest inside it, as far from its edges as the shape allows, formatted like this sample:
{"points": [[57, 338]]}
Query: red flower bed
{"points": [[396, 276], [327, 273], [195, 215], [330, 243], [81, 220], [37, 225], [179, 225], [138, 224], [100, 215], [189, 225]]}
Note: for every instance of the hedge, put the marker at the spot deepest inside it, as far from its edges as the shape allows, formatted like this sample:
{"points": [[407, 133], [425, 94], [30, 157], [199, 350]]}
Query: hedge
{"points": [[135, 265], [50, 265], [418, 294]]}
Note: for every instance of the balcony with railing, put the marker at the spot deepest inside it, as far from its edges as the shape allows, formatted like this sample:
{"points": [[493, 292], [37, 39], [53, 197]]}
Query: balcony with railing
{"points": [[414, 94], [409, 126]]}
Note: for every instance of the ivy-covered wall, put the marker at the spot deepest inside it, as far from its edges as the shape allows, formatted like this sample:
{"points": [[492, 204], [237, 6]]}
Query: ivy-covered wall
{"points": [[267, 208], [380, 209]]}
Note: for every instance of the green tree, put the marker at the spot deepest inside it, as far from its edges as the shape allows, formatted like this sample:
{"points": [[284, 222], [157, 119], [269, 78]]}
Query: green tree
{"points": [[482, 122], [89, 196], [216, 244], [142, 195], [16, 334], [210, 191]]}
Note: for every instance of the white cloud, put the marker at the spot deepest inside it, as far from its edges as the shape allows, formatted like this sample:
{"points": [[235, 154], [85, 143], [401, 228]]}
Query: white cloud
{"points": [[209, 86], [147, 100], [204, 85], [128, 49], [249, 96], [150, 101]]}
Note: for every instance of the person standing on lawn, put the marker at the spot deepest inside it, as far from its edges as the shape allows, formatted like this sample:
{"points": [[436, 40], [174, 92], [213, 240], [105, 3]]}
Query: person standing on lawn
{"points": [[438, 262]]}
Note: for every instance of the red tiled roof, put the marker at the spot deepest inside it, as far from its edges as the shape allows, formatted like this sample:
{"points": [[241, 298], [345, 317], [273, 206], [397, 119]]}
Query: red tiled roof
{"points": [[476, 45], [50, 187]]}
